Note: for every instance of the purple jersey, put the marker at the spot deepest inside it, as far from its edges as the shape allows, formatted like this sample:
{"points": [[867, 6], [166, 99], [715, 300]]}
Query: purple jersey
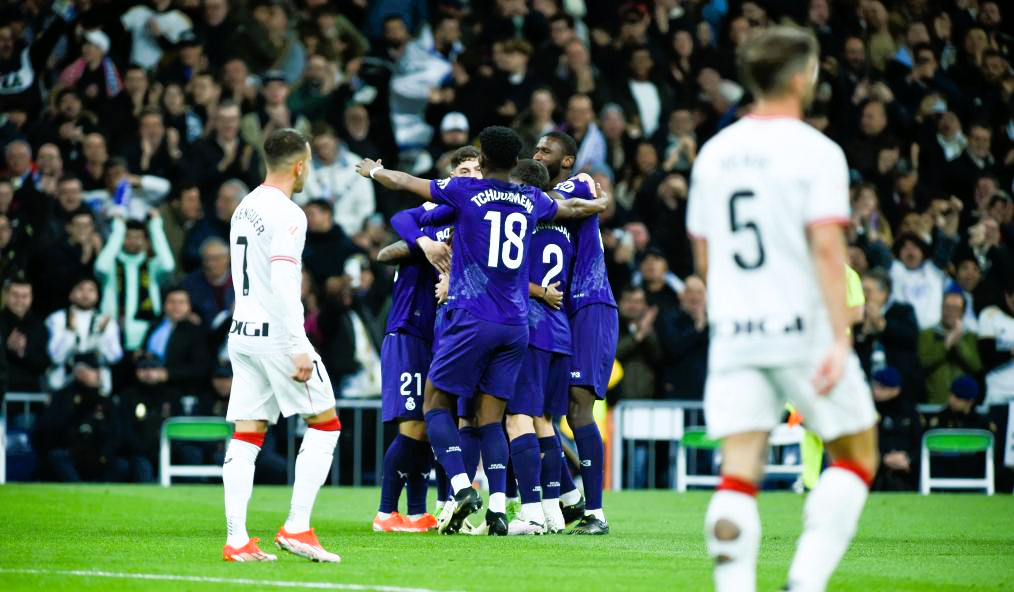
{"points": [[413, 305], [552, 253], [589, 283], [492, 237]]}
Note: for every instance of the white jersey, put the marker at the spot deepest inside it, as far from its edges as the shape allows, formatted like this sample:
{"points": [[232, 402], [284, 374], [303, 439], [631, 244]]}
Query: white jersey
{"points": [[266, 227], [996, 324], [756, 188]]}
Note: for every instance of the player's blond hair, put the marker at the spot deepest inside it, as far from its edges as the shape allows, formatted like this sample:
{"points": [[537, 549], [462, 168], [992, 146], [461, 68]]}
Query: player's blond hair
{"points": [[769, 59]]}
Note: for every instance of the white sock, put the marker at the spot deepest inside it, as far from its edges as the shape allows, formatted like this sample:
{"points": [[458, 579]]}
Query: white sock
{"points": [[381, 515], [571, 497], [551, 509], [460, 482], [238, 478], [735, 558], [440, 506], [533, 513], [498, 502], [312, 467], [830, 518], [600, 514]]}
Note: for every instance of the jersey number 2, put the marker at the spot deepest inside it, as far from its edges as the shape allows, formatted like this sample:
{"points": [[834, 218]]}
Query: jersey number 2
{"points": [[241, 240], [750, 225]]}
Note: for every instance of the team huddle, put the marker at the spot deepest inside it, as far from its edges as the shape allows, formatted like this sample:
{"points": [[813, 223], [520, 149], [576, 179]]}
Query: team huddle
{"points": [[503, 321]]}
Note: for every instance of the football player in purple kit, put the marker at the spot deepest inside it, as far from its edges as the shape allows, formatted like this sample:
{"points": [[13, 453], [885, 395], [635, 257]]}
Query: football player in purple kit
{"points": [[594, 326], [405, 360], [486, 326]]}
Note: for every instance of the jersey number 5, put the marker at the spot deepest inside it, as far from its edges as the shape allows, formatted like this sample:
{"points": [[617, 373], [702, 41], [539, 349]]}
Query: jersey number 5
{"points": [[749, 225], [241, 240]]}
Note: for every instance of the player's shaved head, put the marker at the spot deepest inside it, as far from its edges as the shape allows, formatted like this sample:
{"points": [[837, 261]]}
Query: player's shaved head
{"points": [[770, 59], [531, 172], [500, 147]]}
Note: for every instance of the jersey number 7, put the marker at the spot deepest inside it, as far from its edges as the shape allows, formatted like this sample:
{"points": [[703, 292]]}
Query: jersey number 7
{"points": [[748, 225], [241, 240]]}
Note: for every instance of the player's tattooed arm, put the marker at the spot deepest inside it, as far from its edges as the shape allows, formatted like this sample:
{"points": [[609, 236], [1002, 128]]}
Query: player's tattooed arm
{"points": [[395, 180], [395, 254]]}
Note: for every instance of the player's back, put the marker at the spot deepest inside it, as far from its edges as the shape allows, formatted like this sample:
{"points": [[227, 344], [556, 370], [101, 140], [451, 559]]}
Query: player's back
{"points": [[266, 226], [492, 237], [413, 305], [590, 282], [756, 188], [552, 253]]}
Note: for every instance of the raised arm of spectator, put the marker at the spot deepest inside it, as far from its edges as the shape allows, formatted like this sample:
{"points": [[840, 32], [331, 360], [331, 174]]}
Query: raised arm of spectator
{"points": [[46, 42], [62, 338], [165, 261], [109, 342], [106, 261], [394, 180], [150, 188]]}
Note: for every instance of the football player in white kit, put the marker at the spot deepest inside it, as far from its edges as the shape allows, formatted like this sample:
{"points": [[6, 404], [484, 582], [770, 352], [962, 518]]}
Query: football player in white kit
{"points": [[768, 202], [275, 369]]}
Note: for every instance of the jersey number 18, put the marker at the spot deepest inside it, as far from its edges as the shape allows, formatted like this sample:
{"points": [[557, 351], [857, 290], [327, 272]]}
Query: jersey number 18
{"points": [[512, 250]]}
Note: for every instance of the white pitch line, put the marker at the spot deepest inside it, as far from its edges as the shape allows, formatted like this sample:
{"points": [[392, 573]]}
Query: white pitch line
{"points": [[213, 580]]}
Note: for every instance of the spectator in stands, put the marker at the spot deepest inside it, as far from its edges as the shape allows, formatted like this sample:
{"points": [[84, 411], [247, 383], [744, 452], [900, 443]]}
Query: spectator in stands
{"points": [[641, 94], [638, 349], [948, 350], [207, 92], [92, 168], [128, 106], [685, 344], [189, 60], [889, 334], [332, 177], [78, 424], [210, 288], [959, 412], [453, 135], [224, 155], [131, 195], [996, 346], [580, 124], [181, 117], [60, 266], [538, 119], [93, 75], [180, 214], [133, 266], [272, 113], [157, 150], [151, 29], [327, 245], [309, 97], [898, 433], [19, 167], [228, 198], [916, 280], [50, 169], [976, 160], [13, 253], [26, 337]]}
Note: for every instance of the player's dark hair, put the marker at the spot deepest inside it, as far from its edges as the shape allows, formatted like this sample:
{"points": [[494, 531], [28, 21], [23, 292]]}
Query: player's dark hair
{"points": [[569, 143], [500, 147], [771, 57], [463, 154], [284, 146], [531, 172]]}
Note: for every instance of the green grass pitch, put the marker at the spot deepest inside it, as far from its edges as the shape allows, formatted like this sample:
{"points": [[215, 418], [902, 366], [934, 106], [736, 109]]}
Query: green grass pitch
{"points": [[57, 537]]}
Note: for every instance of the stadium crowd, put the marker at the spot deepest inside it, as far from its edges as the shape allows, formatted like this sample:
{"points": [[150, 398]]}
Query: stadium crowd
{"points": [[130, 131]]}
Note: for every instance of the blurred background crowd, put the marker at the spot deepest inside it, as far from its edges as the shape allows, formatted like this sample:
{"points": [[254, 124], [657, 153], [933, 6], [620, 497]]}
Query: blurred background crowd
{"points": [[130, 131]]}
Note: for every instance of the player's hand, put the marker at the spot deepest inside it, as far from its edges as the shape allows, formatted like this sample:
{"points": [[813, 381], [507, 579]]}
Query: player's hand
{"points": [[553, 296], [304, 367], [366, 165], [437, 253], [442, 287], [831, 367]]}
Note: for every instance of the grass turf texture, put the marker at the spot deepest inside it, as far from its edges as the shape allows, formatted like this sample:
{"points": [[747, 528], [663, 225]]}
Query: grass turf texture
{"points": [[905, 543]]}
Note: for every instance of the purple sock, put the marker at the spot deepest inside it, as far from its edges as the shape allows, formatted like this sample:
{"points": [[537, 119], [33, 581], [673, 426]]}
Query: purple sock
{"points": [[566, 479], [394, 474], [512, 478], [589, 448], [494, 456], [444, 438], [527, 466], [443, 483], [418, 482], [470, 449], [552, 462]]}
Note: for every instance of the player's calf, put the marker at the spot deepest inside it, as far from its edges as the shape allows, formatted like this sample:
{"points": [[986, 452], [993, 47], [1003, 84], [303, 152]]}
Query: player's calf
{"points": [[732, 529], [526, 458]]}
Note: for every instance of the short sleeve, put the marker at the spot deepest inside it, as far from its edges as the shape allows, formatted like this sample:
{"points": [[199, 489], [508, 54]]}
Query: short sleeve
{"points": [[442, 191], [827, 200], [438, 216], [545, 206], [696, 205], [289, 238]]}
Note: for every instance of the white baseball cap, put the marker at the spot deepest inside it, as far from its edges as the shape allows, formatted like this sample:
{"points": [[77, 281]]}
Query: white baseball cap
{"points": [[98, 39], [454, 120]]}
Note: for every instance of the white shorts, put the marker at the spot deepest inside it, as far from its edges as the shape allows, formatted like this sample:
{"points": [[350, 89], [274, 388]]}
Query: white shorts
{"points": [[262, 387], [749, 399]]}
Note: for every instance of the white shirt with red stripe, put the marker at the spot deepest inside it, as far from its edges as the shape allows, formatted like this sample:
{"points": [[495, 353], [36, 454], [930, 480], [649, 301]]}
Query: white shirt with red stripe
{"points": [[267, 237], [756, 188]]}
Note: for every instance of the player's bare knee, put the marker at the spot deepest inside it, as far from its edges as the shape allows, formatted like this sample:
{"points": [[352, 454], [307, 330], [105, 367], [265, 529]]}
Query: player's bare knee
{"points": [[518, 425]]}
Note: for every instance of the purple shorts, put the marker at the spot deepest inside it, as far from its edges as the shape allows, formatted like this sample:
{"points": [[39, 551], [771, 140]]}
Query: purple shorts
{"points": [[474, 355], [542, 385], [404, 362], [594, 330]]}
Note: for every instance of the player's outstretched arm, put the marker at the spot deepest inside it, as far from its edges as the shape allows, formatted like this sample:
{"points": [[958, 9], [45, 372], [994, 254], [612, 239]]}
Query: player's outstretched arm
{"points": [[395, 180], [395, 253], [577, 208]]}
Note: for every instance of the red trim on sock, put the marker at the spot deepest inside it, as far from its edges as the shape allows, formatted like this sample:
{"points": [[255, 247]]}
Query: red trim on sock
{"points": [[856, 469], [254, 438], [331, 425], [736, 484]]}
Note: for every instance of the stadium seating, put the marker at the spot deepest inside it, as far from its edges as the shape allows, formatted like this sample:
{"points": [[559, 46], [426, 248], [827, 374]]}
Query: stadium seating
{"points": [[190, 429], [956, 442], [781, 438], [645, 421]]}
